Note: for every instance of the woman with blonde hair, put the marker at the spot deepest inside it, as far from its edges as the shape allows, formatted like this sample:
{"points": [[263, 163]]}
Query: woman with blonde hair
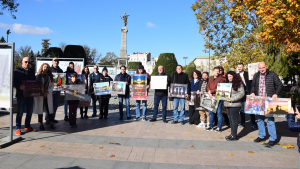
{"points": [[45, 102]]}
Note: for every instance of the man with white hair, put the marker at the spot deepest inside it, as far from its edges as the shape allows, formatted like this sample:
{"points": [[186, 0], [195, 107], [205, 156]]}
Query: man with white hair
{"points": [[20, 74]]}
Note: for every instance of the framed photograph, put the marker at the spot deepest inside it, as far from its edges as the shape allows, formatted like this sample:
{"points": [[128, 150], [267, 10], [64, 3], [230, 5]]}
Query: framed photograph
{"points": [[255, 105], [101, 88], [138, 93], [178, 90], [59, 81], [195, 100], [33, 88], [139, 80], [209, 104], [223, 91], [252, 69], [158, 82], [75, 92], [117, 87], [131, 72], [278, 108], [85, 102]]}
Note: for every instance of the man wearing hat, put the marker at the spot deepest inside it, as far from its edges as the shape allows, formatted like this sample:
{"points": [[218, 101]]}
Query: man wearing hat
{"points": [[141, 70], [55, 94]]}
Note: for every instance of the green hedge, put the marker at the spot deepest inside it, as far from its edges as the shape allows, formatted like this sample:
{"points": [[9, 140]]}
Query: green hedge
{"points": [[133, 66], [168, 61]]}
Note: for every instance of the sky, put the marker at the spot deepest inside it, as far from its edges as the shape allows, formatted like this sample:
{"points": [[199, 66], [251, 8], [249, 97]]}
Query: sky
{"points": [[156, 26]]}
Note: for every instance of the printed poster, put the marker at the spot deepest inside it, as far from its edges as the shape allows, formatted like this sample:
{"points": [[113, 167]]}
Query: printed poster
{"points": [[139, 87], [131, 72], [78, 65], [5, 77], [252, 69], [101, 88], [33, 88], [158, 82], [255, 105], [118, 87], [178, 90], [85, 102], [209, 104], [59, 81], [75, 92], [195, 100], [223, 91], [277, 108]]}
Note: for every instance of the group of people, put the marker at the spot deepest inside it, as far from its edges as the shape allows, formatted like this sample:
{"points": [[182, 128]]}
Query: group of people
{"points": [[265, 83]]}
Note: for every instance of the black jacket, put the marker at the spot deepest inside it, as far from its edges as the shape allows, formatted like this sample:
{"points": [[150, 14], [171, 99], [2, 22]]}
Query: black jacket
{"points": [[102, 78], [163, 92], [127, 79], [69, 71], [181, 78], [56, 70], [247, 81], [293, 126], [200, 84], [273, 84], [21, 74]]}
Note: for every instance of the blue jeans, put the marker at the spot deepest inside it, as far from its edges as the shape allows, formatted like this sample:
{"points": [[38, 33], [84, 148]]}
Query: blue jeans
{"points": [[22, 102], [55, 100], [66, 108], [262, 129], [219, 114], [163, 100], [121, 97], [137, 108], [176, 103]]}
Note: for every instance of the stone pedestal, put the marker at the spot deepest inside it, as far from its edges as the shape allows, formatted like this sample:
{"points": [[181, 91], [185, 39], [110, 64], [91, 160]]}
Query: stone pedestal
{"points": [[123, 58]]}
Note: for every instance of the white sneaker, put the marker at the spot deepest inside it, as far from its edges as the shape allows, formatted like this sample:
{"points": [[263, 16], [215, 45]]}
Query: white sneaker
{"points": [[207, 124], [144, 119], [201, 125]]}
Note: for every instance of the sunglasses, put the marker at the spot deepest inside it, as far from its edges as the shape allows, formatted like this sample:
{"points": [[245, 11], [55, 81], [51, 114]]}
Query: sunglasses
{"points": [[26, 61]]}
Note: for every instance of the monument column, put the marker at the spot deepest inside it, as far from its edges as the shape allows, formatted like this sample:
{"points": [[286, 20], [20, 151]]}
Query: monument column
{"points": [[123, 58]]}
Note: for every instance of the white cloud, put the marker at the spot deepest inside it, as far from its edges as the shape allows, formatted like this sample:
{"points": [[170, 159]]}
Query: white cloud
{"points": [[27, 29], [151, 25]]}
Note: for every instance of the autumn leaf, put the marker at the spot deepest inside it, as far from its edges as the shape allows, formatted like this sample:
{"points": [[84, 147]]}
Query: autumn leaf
{"points": [[220, 137], [189, 130], [112, 155], [250, 152], [231, 154], [251, 137], [262, 143], [101, 147], [42, 146], [191, 146], [121, 132], [103, 141], [111, 142]]}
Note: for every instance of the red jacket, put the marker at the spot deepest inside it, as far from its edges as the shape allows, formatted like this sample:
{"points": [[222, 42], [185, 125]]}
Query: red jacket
{"points": [[213, 83]]}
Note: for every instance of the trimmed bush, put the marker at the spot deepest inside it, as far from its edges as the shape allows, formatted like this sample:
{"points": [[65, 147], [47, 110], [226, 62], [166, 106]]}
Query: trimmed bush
{"points": [[75, 51], [133, 66], [168, 61]]}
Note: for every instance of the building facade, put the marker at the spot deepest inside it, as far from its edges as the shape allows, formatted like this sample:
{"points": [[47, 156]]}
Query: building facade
{"points": [[202, 63], [146, 60]]}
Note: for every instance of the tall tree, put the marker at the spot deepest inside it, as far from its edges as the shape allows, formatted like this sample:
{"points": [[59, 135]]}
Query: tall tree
{"points": [[92, 55], [10, 5], [168, 61], [2, 40], [109, 59], [45, 46], [63, 45]]}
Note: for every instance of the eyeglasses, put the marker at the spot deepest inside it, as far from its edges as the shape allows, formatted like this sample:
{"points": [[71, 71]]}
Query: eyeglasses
{"points": [[26, 61]]}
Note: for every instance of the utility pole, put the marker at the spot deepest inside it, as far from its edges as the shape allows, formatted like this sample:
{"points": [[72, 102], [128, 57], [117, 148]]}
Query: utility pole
{"points": [[185, 58], [7, 32]]}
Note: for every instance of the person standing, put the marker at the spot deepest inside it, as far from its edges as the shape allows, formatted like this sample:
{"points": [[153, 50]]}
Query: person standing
{"points": [[266, 83], [20, 74], [124, 77], [294, 126], [104, 99], [85, 79], [212, 88], [194, 116], [55, 94], [45, 102], [233, 104], [161, 95], [247, 86], [73, 104], [141, 70], [202, 89], [180, 78], [93, 78], [70, 70]]}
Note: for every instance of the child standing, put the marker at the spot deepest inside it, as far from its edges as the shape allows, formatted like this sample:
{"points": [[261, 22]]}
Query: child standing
{"points": [[73, 104]]}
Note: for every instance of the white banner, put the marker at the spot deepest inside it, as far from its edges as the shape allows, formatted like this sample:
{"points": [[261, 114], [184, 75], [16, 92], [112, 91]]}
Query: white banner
{"points": [[5, 77], [78, 65]]}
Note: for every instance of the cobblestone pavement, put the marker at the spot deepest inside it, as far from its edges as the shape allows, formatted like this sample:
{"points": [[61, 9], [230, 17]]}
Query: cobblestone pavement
{"points": [[114, 143]]}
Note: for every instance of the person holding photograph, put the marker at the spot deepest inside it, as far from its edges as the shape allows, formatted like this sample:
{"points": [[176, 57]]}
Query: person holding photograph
{"points": [[85, 79], [212, 88], [124, 77], [73, 104], [266, 83], [202, 89], [180, 78], [70, 69], [45, 102], [92, 79], [233, 104], [194, 116]]}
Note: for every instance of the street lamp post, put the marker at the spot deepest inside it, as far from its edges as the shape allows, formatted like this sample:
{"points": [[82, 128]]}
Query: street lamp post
{"points": [[7, 32], [185, 58]]}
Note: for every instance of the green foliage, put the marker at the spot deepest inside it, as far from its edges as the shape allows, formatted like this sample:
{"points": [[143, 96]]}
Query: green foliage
{"points": [[109, 59], [189, 68], [2, 40], [54, 52], [45, 47], [133, 66], [168, 61], [10, 5]]}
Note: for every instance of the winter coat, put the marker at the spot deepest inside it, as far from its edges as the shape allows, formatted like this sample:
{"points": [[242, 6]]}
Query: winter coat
{"points": [[102, 78], [272, 82], [236, 97], [69, 71], [182, 78], [39, 101], [56, 70], [213, 83], [21, 74], [127, 79], [294, 126], [163, 92], [200, 85]]}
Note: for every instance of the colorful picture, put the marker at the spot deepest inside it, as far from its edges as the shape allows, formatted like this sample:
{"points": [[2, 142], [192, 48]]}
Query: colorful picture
{"points": [[158, 82], [252, 69], [33, 88], [223, 91], [85, 102], [138, 92], [101, 88], [255, 105], [5, 77], [178, 90], [209, 104], [78, 77], [75, 92], [195, 100], [59, 81], [78, 65], [117, 87], [131, 72], [277, 108], [139, 80]]}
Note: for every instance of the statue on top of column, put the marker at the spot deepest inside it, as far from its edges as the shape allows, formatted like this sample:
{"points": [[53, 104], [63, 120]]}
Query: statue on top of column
{"points": [[124, 18]]}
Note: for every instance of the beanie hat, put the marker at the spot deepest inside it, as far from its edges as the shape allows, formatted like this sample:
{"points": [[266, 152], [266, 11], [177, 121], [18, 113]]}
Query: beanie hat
{"points": [[104, 69], [141, 67]]}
